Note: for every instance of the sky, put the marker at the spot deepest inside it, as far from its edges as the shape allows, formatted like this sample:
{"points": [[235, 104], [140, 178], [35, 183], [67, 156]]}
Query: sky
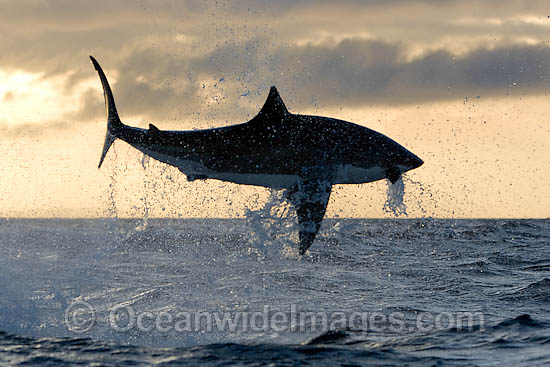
{"points": [[463, 84]]}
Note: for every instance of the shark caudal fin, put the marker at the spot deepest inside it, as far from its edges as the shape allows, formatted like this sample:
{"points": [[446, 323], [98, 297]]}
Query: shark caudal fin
{"points": [[113, 121]]}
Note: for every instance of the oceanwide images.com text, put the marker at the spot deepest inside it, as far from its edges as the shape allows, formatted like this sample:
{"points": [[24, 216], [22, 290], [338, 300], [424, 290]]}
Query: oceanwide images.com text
{"points": [[81, 317]]}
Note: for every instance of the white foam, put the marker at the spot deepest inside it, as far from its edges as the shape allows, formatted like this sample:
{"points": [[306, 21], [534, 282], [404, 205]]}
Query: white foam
{"points": [[273, 227]]}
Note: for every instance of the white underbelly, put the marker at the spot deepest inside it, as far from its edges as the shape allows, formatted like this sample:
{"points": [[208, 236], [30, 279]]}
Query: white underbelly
{"points": [[350, 174], [340, 174], [193, 168], [274, 181]]}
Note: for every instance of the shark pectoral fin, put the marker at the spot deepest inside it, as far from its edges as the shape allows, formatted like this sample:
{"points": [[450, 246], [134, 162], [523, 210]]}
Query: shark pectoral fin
{"points": [[192, 178], [310, 199]]}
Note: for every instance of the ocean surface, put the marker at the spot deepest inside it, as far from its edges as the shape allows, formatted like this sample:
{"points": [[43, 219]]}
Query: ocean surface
{"points": [[395, 292]]}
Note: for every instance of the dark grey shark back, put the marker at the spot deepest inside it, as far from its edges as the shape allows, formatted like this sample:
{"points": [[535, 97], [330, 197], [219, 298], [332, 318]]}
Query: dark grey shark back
{"points": [[295, 145], [305, 155]]}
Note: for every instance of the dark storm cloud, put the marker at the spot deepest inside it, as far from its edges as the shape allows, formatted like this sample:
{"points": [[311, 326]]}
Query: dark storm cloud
{"points": [[52, 36], [181, 58], [353, 73], [357, 72]]}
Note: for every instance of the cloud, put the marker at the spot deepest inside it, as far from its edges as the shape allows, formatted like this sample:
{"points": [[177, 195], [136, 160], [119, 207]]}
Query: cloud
{"points": [[353, 73], [55, 36], [214, 61], [30, 129], [8, 96]]}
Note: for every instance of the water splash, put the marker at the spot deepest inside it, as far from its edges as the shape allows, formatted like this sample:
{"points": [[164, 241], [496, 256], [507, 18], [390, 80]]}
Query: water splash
{"points": [[145, 161], [149, 184], [112, 210], [394, 202], [144, 222], [273, 227], [126, 230], [424, 198]]}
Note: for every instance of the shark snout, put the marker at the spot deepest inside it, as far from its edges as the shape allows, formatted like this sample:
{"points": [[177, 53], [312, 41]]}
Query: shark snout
{"points": [[406, 163], [413, 162]]}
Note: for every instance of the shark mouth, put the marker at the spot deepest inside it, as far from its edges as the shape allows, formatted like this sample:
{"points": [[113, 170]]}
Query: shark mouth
{"points": [[393, 173]]}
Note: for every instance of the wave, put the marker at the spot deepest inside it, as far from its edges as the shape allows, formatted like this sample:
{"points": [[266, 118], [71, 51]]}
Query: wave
{"points": [[64, 352], [538, 267], [536, 291], [340, 337], [334, 347], [524, 320], [478, 267]]}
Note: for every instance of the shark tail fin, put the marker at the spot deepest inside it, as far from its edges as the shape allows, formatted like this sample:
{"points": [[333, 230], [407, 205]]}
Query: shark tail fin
{"points": [[109, 140], [113, 121]]}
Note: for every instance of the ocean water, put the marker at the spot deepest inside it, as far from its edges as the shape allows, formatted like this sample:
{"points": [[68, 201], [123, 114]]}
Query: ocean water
{"points": [[417, 292]]}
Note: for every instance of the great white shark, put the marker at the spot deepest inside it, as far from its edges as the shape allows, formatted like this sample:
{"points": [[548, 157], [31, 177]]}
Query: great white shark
{"points": [[304, 155]]}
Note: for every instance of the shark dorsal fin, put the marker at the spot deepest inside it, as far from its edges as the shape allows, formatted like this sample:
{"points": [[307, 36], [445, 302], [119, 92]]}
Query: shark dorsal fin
{"points": [[274, 105], [153, 128]]}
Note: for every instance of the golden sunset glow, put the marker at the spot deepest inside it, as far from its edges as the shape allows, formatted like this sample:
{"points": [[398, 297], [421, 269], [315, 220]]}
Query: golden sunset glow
{"points": [[464, 85]]}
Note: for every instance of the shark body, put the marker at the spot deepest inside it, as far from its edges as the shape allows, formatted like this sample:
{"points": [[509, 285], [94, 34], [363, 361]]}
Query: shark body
{"points": [[304, 155]]}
